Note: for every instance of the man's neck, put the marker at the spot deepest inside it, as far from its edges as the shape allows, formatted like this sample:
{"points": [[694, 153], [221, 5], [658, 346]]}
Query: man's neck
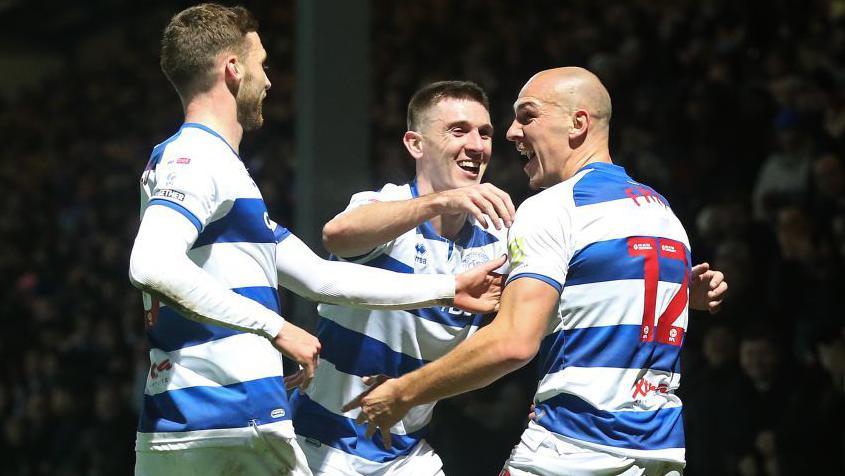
{"points": [[589, 155], [218, 112]]}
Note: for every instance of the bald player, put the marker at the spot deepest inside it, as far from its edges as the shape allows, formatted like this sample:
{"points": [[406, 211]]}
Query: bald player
{"points": [[599, 288]]}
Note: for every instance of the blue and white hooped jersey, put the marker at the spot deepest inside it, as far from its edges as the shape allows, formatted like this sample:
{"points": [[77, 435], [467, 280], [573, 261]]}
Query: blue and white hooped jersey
{"points": [[357, 343], [610, 360], [209, 384]]}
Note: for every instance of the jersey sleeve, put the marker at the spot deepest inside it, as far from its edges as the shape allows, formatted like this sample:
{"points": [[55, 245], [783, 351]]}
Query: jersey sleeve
{"points": [[539, 243], [189, 186]]}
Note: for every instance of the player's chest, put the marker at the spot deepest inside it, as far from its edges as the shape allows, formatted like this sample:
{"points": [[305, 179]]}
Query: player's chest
{"points": [[443, 257]]}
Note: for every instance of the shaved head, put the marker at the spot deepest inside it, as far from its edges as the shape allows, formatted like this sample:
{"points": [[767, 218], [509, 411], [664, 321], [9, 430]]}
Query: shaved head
{"points": [[571, 88], [561, 123]]}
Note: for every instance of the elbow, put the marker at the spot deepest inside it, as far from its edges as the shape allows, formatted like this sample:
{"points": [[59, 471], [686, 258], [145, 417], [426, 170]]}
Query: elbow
{"points": [[141, 272], [517, 353], [333, 234]]}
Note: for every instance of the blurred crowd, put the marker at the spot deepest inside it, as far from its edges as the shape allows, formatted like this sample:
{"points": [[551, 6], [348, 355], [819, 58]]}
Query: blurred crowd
{"points": [[733, 111]]}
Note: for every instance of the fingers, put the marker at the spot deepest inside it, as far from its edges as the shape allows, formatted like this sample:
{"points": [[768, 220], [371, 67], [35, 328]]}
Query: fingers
{"points": [[716, 279], [494, 264], [482, 201], [294, 380], [372, 381], [700, 269], [715, 296], [479, 216], [371, 430], [501, 203], [385, 436]]}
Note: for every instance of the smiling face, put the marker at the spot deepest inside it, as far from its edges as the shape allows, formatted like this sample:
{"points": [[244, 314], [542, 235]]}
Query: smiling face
{"points": [[453, 144], [562, 119], [540, 130]]}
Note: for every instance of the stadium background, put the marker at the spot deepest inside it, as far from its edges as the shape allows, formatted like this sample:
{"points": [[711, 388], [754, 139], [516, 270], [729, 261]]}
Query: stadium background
{"points": [[734, 110]]}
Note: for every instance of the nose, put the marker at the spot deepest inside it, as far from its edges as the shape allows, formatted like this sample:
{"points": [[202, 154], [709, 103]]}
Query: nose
{"points": [[514, 131], [474, 142]]}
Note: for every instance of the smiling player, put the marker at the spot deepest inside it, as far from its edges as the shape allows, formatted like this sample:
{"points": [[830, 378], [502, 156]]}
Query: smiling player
{"points": [[435, 224]]}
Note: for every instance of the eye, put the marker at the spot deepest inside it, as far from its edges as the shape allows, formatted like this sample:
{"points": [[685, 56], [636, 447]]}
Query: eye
{"points": [[524, 117], [457, 131]]}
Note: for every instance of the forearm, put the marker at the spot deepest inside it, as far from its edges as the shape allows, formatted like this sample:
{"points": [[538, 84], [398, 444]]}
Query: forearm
{"points": [[359, 230], [334, 282], [159, 266], [506, 344], [477, 362]]}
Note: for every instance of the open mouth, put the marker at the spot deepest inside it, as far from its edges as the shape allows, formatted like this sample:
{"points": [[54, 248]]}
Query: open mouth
{"points": [[525, 152], [470, 166]]}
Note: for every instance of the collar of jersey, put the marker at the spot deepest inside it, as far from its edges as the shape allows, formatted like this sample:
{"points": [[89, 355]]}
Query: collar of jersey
{"points": [[605, 167], [197, 125], [427, 229]]}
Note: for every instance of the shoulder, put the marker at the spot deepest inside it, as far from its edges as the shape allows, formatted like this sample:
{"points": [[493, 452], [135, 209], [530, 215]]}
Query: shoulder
{"points": [[389, 192], [548, 205]]}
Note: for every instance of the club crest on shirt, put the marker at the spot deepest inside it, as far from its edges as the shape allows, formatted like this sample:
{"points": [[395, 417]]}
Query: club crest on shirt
{"points": [[473, 259]]}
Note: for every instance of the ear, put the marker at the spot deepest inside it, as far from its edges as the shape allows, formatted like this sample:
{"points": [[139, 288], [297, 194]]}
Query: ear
{"points": [[580, 124], [414, 143], [234, 70]]}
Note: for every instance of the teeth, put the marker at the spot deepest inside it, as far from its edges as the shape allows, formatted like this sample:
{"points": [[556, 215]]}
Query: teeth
{"points": [[524, 151], [467, 163]]}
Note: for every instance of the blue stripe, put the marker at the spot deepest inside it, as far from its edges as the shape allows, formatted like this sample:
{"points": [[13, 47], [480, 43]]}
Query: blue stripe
{"points": [[609, 346], [245, 223], [158, 151], [610, 261], [178, 208], [211, 131], [570, 416], [470, 236], [357, 354], [550, 281], [172, 331], [280, 233], [211, 408], [385, 261], [442, 315], [312, 420], [608, 182]]}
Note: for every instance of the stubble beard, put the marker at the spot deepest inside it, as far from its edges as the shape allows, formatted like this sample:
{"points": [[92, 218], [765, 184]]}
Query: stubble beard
{"points": [[249, 105]]}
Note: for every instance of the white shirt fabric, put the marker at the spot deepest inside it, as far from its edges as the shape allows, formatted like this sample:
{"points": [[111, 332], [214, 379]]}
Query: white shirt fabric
{"points": [[610, 360], [358, 343]]}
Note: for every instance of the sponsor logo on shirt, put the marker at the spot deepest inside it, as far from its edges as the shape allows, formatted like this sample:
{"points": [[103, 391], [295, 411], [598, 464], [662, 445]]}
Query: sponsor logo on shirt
{"points": [[277, 413], [516, 251], [643, 387], [419, 258], [170, 193]]}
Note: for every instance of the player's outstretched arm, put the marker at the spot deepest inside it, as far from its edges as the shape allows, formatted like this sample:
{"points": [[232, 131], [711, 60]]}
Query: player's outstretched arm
{"points": [[160, 266], [707, 288], [508, 343], [359, 230], [348, 284]]}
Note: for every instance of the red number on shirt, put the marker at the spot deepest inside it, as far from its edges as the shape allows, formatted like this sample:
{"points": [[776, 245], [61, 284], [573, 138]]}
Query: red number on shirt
{"points": [[651, 249]]}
